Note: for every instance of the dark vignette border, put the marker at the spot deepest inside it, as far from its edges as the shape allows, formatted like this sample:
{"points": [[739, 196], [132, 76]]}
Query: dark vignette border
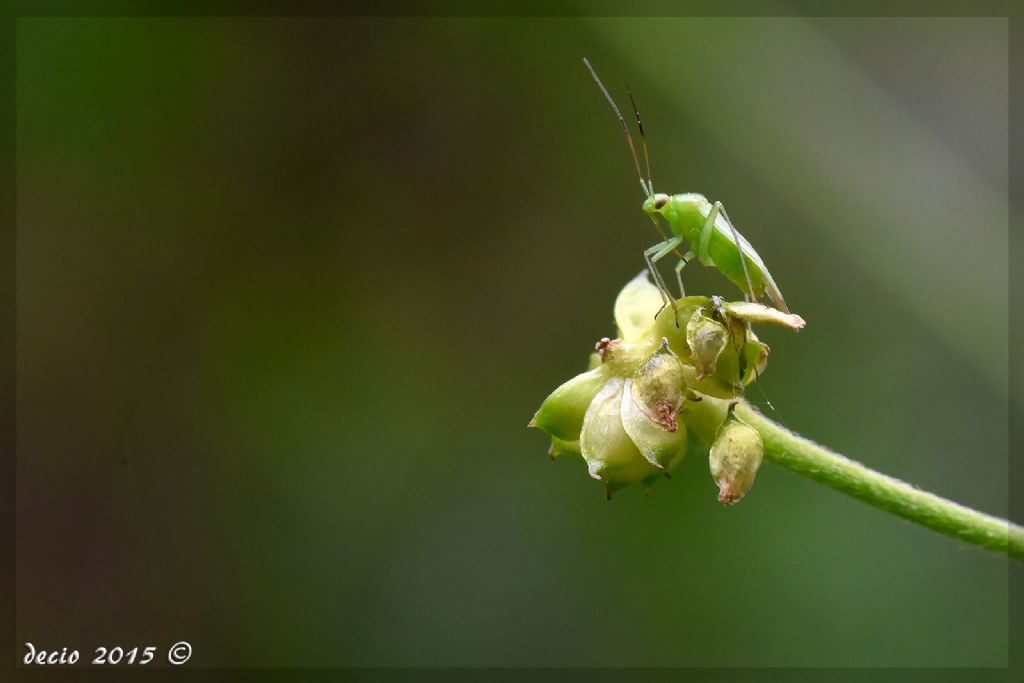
{"points": [[1015, 473], [454, 8]]}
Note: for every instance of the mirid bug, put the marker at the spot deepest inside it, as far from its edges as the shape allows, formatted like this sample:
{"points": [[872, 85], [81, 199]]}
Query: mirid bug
{"points": [[704, 227]]}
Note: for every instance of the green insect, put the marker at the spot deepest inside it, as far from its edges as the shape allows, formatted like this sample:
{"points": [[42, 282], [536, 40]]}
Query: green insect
{"points": [[701, 225]]}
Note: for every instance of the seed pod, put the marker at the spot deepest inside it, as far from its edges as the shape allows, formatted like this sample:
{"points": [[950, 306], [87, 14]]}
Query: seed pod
{"points": [[561, 414], [752, 362], [658, 387], [735, 457], [706, 338], [759, 313], [662, 447], [757, 357], [671, 324], [611, 455]]}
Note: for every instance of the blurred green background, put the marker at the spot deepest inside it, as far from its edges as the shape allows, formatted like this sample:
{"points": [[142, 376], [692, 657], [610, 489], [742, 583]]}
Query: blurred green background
{"points": [[290, 289]]}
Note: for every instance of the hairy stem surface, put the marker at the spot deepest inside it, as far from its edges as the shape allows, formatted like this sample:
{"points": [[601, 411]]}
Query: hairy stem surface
{"points": [[805, 457]]}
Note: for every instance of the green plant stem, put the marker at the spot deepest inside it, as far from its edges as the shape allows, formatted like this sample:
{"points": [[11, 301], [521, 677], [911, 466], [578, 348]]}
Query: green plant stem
{"points": [[794, 452]]}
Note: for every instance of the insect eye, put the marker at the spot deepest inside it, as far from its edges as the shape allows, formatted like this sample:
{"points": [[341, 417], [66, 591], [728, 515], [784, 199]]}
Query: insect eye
{"points": [[660, 202]]}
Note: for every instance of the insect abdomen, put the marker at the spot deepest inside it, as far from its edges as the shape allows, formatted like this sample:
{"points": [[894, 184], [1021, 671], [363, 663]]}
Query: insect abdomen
{"points": [[725, 255]]}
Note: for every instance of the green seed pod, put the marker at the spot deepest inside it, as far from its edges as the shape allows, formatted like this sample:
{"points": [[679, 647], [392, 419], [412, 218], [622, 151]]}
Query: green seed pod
{"points": [[671, 324], [662, 447], [707, 339], [611, 455], [658, 387], [757, 357], [561, 414], [735, 457]]}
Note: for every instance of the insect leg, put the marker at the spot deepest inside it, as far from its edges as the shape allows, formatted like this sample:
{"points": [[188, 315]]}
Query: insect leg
{"points": [[653, 255], [683, 260], [667, 247], [769, 284], [703, 241], [742, 347], [739, 247]]}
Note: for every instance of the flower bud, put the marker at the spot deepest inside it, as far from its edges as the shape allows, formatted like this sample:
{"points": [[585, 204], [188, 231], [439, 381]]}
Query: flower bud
{"points": [[561, 414], [735, 457], [707, 339]]}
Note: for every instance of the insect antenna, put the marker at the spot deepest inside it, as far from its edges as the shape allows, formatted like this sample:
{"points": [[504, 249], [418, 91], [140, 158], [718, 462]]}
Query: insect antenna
{"points": [[643, 141], [647, 163], [629, 138]]}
